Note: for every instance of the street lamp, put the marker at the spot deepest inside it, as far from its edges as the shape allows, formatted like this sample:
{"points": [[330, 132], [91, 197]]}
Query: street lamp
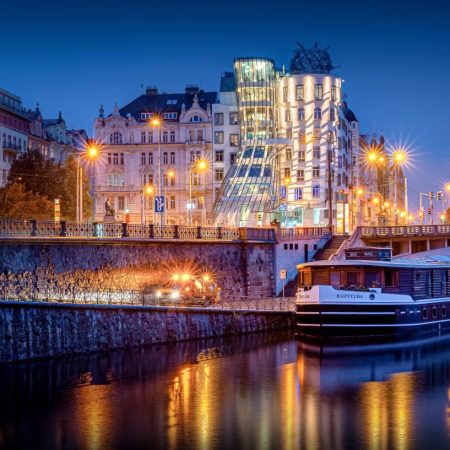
{"points": [[399, 157], [156, 122], [200, 165], [91, 151]]}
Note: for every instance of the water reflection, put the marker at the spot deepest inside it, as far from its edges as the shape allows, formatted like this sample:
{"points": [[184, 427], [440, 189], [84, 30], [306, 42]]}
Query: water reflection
{"points": [[256, 392]]}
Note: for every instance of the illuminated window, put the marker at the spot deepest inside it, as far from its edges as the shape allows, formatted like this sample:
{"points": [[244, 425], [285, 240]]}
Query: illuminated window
{"points": [[300, 175], [234, 118], [218, 137], [218, 174], [170, 115], [333, 93], [218, 119], [234, 140], [318, 91], [299, 92]]}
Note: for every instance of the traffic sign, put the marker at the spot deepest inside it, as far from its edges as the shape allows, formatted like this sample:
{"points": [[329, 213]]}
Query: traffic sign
{"points": [[159, 204]]}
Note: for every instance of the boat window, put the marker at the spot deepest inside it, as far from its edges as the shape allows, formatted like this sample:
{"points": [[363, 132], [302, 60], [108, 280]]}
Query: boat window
{"points": [[390, 278], [434, 312], [444, 311], [335, 279], [371, 279], [352, 278], [424, 313]]}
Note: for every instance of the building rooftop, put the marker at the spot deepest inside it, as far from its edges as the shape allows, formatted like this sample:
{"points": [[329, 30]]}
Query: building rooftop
{"points": [[154, 102], [227, 82]]}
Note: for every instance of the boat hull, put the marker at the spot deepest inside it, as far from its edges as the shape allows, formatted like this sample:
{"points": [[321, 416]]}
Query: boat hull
{"points": [[344, 319]]}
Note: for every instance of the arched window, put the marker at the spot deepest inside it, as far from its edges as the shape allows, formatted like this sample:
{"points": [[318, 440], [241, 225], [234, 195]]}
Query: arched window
{"points": [[115, 138], [196, 119]]}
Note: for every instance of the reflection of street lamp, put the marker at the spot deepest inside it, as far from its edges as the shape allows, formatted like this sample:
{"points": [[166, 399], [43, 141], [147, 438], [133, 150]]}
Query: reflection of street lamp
{"points": [[156, 122], [91, 151], [201, 165]]}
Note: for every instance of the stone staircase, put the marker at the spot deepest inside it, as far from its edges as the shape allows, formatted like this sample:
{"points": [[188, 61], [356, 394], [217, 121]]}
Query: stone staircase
{"points": [[330, 248]]}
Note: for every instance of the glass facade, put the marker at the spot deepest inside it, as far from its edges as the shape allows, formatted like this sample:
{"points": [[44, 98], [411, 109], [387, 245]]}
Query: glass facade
{"points": [[248, 194]]}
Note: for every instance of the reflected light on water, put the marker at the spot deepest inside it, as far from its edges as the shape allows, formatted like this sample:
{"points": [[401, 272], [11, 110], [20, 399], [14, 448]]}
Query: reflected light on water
{"points": [[289, 401]]}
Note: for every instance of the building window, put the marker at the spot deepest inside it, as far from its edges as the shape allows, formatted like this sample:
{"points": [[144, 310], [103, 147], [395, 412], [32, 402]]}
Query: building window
{"points": [[301, 156], [316, 152], [285, 93], [301, 113], [142, 137], [172, 157], [170, 115], [287, 173], [316, 190], [317, 113], [218, 137], [200, 135], [300, 175], [219, 175], [172, 202], [332, 114], [287, 115], [172, 136], [195, 155], [143, 159], [232, 158], [318, 91], [317, 133], [283, 192], [165, 137], [150, 137], [234, 140], [219, 155], [146, 116], [165, 158], [298, 193], [234, 118], [288, 154], [121, 202], [333, 93], [218, 119], [299, 92], [316, 172], [195, 178], [302, 137], [150, 158], [195, 119], [115, 138], [201, 202]]}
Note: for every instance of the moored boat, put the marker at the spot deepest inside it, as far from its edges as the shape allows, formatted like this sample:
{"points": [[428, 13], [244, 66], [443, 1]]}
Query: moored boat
{"points": [[373, 295]]}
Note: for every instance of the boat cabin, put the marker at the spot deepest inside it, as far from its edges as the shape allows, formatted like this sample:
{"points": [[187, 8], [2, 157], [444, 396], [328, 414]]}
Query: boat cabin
{"points": [[420, 280]]}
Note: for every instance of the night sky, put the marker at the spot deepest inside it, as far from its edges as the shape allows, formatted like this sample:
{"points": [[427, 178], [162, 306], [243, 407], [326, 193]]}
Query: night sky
{"points": [[394, 57]]}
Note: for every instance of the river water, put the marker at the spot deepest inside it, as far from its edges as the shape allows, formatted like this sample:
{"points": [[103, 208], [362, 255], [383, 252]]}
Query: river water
{"points": [[262, 391]]}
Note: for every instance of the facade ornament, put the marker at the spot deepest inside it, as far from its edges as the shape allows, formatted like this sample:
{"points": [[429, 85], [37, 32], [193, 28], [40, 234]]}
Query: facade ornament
{"points": [[311, 60], [101, 112], [116, 110], [195, 102]]}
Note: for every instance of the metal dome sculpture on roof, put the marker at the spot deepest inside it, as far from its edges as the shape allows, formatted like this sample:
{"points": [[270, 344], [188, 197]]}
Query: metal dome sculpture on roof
{"points": [[311, 60]]}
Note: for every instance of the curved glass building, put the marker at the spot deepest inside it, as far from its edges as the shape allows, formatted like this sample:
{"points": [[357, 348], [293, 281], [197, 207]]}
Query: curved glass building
{"points": [[248, 193]]}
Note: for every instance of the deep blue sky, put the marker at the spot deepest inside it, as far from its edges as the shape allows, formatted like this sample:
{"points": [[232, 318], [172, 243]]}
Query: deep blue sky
{"points": [[394, 57]]}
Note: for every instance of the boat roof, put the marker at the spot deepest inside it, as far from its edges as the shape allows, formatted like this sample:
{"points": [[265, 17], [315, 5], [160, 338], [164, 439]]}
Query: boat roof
{"points": [[400, 263]]}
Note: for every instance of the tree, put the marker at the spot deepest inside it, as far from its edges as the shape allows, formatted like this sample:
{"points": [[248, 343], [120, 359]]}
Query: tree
{"points": [[18, 203], [46, 178]]}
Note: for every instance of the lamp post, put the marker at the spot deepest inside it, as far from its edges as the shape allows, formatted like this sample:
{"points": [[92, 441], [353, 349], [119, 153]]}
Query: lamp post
{"points": [[200, 165], [398, 158], [91, 152], [148, 190], [157, 122]]}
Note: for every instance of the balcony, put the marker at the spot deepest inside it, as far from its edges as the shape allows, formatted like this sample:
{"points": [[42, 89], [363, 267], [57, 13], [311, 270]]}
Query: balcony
{"points": [[15, 148]]}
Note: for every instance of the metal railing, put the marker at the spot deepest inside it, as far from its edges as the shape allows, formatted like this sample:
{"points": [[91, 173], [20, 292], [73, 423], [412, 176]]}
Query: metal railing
{"points": [[293, 233], [405, 231], [43, 228], [10, 291]]}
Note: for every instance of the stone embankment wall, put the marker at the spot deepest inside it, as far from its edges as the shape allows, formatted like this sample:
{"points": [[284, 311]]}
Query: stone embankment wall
{"points": [[42, 330], [239, 268]]}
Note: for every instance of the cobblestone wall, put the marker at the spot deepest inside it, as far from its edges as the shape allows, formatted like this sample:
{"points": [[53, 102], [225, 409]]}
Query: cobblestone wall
{"points": [[32, 331], [240, 269]]}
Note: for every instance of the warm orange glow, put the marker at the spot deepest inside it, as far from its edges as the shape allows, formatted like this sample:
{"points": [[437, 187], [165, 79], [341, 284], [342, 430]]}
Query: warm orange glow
{"points": [[399, 156], [375, 200], [381, 159], [359, 191], [402, 214], [170, 173], [372, 156], [92, 151], [386, 204], [447, 187], [202, 164], [185, 277], [149, 190], [287, 180], [175, 277], [155, 122], [206, 277]]}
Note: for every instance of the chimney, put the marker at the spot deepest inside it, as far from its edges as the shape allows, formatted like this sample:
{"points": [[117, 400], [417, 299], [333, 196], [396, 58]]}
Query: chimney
{"points": [[151, 91], [192, 89]]}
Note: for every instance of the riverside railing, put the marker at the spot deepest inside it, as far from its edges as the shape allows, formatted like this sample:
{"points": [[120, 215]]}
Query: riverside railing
{"points": [[71, 295], [405, 231], [43, 228]]}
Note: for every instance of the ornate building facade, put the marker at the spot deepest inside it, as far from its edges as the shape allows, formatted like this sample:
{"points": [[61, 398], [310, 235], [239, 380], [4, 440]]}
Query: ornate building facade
{"points": [[142, 160]]}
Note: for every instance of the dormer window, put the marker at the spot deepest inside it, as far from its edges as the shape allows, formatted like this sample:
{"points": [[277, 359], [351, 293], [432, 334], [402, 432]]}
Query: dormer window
{"points": [[196, 119], [146, 116], [170, 115], [171, 102]]}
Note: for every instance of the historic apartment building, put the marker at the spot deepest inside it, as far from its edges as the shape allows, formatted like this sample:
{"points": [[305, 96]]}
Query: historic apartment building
{"points": [[144, 158]]}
